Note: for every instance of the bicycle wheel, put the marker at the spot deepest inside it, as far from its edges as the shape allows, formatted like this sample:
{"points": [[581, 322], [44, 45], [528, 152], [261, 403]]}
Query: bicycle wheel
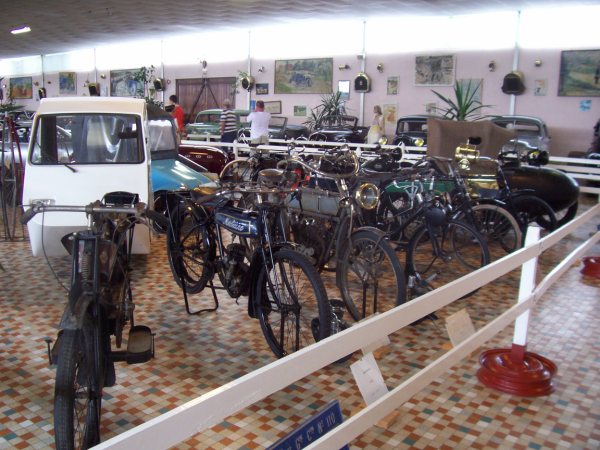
{"points": [[290, 297], [461, 250], [190, 250], [369, 275], [499, 227], [77, 392], [530, 208], [8, 196]]}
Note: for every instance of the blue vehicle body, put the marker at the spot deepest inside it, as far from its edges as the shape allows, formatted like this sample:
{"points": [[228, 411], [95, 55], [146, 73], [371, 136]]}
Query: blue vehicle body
{"points": [[172, 174]]}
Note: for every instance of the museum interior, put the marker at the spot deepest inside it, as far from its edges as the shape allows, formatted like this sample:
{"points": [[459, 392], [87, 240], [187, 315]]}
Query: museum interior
{"points": [[217, 372]]}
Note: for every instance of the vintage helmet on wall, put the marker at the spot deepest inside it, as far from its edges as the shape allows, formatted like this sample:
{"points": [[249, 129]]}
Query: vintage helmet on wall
{"points": [[247, 82], [362, 83], [159, 84], [513, 83]]}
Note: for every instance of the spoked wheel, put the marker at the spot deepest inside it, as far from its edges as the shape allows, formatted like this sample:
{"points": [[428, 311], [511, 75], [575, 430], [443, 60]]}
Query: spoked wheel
{"points": [[190, 250], [77, 393], [530, 209], [500, 229], [460, 250], [290, 295], [9, 201], [369, 275]]}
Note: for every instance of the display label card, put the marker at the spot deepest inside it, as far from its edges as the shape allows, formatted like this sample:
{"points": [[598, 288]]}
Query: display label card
{"points": [[369, 379], [316, 426], [459, 327]]}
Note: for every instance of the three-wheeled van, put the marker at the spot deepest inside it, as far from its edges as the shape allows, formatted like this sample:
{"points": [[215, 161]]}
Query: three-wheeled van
{"points": [[84, 147]]}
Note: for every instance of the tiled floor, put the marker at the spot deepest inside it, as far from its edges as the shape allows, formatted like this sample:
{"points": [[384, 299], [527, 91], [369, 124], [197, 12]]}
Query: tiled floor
{"points": [[198, 353]]}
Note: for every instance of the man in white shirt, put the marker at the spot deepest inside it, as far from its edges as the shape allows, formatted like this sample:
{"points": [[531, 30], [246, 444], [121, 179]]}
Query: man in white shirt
{"points": [[259, 124]]}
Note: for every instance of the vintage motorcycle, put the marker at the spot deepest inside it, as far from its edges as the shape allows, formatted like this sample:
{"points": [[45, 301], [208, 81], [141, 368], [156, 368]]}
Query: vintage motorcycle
{"points": [[285, 291], [324, 220]]}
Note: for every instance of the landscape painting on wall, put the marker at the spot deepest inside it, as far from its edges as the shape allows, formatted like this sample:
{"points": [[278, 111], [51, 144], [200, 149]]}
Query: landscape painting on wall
{"points": [[304, 76], [434, 70], [579, 73], [21, 87], [124, 84]]}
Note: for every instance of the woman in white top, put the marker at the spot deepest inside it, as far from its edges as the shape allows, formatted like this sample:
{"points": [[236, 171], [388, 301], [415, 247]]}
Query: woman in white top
{"points": [[377, 126]]}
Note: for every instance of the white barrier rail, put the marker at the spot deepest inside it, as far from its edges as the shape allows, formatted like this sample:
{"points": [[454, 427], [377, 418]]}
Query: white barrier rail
{"points": [[582, 169], [213, 407]]}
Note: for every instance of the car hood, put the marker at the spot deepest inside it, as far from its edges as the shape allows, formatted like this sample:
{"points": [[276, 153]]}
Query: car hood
{"points": [[170, 175]]}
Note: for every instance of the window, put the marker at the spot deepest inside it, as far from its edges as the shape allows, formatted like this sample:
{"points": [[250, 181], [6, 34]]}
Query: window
{"points": [[87, 139]]}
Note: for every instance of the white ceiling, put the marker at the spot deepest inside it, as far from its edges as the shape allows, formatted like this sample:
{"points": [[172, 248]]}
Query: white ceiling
{"points": [[65, 25]]}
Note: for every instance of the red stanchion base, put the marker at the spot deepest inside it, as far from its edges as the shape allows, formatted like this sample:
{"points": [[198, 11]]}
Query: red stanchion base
{"points": [[591, 266], [516, 371]]}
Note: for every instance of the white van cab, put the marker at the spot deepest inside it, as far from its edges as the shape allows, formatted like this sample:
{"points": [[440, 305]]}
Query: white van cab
{"points": [[82, 148]]}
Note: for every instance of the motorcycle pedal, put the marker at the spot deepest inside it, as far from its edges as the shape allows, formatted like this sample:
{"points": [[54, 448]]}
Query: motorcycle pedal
{"points": [[55, 349], [140, 345]]}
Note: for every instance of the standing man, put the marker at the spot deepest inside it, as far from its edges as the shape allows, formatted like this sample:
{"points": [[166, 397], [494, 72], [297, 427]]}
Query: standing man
{"points": [[259, 124], [177, 112], [228, 123]]}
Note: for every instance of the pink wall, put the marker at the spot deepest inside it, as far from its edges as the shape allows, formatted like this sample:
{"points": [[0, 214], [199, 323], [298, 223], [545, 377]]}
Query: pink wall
{"points": [[570, 128]]}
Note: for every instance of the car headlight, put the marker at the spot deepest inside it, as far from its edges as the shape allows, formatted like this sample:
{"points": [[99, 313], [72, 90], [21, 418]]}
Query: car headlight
{"points": [[419, 142], [367, 196]]}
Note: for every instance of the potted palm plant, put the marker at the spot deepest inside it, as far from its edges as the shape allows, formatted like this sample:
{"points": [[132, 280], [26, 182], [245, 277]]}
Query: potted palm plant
{"points": [[465, 106], [331, 105]]}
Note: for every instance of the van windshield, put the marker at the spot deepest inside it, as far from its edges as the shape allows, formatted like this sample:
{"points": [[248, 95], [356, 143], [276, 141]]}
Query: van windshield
{"points": [[87, 139]]}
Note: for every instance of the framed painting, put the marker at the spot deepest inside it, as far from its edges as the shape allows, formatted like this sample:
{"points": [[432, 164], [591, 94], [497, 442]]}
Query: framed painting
{"points": [[304, 76], [434, 70], [474, 85], [21, 87], [124, 84], [67, 82], [344, 89], [579, 73], [389, 113], [392, 86], [300, 110], [262, 88], [273, 107]]}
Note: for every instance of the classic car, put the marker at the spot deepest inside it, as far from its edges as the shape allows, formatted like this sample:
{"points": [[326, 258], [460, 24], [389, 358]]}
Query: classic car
{"points": [[411, 131], [340, 128], [594, 150], [212, 158], [206, 125], [532, 132], [279, 129]]}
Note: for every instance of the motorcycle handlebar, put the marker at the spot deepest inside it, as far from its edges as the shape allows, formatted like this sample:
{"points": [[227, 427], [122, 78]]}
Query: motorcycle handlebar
{"points": [[139, 210], [337, 176]]}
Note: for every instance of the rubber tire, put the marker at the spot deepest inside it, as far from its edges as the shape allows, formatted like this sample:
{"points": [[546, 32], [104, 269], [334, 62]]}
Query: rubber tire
{"points": [[530, 208], [568, 214], [348, 276], [190, 250], [75, 350], [302, 306], [419, 255], [488, 214]]}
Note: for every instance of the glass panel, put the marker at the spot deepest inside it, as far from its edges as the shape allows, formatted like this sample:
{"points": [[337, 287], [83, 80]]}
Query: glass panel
{"points": [[87, 139]]}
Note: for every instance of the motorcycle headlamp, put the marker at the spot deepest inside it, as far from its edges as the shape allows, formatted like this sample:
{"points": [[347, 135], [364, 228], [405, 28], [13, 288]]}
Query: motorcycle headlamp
{"points": [[367, 196]]}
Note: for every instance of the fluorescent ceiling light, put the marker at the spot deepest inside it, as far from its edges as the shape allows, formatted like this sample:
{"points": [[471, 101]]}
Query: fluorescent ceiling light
{"points": [[21, 30]]}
